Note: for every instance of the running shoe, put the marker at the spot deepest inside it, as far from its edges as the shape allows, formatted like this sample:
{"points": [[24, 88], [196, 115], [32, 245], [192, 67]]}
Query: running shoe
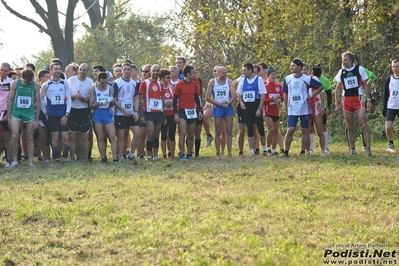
{"points": [[208, 141]]}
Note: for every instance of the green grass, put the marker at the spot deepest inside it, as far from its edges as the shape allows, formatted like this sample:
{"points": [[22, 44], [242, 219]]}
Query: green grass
{"points": [[212, 211]]}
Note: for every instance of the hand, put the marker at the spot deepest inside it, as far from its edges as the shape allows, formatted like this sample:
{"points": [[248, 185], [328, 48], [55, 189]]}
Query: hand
{"points": [[338, 109], [79, 96], [9, 122], [258, 113], [127, 112], [384, 113], [369, 106], [200, 116], [136, 117], [322, 110], [326, 111], [142, 119], [177, 119], [103, 103], [243, 106], [35, 124], [64, 120]]}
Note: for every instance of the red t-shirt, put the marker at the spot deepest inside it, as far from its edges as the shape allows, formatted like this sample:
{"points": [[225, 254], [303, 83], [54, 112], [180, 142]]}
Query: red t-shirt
{"points": [[272, 90], [186, 92], [152, 95]]}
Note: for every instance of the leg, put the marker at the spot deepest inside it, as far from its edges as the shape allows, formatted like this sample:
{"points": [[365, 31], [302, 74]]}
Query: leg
{"points": [[30, 141], [150, 129], [350, 129], [72, 144], [361, 116], [223, 136], [228, 123], [14, 139], [99, 128], [182, 135], [218, 129], [110, 129]]}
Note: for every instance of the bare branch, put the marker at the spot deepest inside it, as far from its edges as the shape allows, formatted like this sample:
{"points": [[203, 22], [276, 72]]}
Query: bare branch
{"points": [[17, 14]]}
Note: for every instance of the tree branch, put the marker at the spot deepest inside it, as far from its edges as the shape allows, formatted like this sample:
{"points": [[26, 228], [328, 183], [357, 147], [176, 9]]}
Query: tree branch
{"points": [[12, 11]]}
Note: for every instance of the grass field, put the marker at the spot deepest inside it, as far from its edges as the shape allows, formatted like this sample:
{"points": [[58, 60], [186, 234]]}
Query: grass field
{"points": [[212, 211]]}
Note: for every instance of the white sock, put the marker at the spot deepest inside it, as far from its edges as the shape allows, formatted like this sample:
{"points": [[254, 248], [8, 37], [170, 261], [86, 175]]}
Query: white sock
{"points": [[326, 138], [311, 140], [263, 147], [252, 151]]}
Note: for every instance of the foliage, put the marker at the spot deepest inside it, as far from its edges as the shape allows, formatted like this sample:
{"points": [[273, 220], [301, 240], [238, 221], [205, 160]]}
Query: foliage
{"points": [[129, 36], [43, 58], [276, 31]]}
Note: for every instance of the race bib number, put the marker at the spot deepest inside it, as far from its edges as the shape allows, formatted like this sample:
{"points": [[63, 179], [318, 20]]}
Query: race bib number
{"points": [[271, 96], [297, 99], [394, 93], [249, 96], [191, 113], [57, 98], [221, 95], [351, 83], [155, 104], [128, 105], [24, 102], [103, 99]]}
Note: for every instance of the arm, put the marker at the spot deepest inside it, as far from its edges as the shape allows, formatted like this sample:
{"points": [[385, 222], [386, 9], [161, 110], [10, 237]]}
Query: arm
{"points": [[137, 108], [338, 91], [38, 103], [366, 87], [385, 97], [208, 93], [10, 101], [92, 105], [68, 97], [232, 93], [176, 115], [199, 107]]}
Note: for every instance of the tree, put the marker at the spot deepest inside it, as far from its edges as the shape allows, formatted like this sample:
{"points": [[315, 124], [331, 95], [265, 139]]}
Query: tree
{"points": [[128, 36], [62, 37]]}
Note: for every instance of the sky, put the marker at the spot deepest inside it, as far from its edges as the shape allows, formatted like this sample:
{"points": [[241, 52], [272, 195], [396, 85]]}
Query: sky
{"points": [[19, 43]]}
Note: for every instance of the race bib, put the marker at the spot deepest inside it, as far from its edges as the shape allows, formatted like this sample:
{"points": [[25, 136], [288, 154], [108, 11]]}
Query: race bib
{"points": [[155, 104], [221, 95], [296, 99], [248, 96], [394, 93], [191, 113], [24, 101], [57, 98], [271, 96], [103, 99], [351, 83], [127, 105]]}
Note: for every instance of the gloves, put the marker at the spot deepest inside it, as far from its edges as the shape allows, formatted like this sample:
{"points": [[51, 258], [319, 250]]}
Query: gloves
{"points": [[384, 112], [110, 99], [103, 103]]}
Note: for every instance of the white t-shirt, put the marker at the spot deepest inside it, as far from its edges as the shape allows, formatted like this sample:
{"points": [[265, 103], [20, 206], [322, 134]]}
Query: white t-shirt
{"points": [[75, 86]]}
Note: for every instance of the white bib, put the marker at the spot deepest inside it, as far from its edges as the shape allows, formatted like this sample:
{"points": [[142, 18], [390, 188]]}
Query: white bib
{"points": [[57, 98], [394, 92], [351, 83], [155, 104], [272, 95], [128, 105], [296, 99], [248, 96], [191, 113], [24, 102]]}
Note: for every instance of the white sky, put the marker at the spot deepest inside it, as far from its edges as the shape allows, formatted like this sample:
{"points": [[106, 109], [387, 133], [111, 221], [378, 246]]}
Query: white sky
{"points": [[18, 43]]}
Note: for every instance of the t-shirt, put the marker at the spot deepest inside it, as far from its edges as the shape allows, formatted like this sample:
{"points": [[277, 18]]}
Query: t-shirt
{"points": [[186, 92], [5, 85], [152, 95], [76, 85]]}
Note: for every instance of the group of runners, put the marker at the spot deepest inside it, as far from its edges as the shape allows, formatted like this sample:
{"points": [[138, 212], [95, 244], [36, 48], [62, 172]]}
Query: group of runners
{"points": [[65, 109]]}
